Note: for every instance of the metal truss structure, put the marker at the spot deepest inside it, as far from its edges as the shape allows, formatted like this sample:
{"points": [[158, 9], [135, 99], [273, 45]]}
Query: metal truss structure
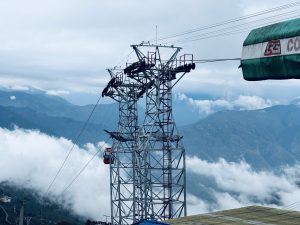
{"points": [[123, 154], [147, 166]]}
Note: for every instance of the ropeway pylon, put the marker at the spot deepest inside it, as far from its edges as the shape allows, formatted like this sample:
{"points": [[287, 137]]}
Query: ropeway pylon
{"points": [[147, 168]]}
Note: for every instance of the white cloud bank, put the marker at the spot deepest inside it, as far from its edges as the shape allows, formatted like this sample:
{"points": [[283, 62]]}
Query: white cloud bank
{"points": [[31, 159], [57, 92], [242, 102], [239, 185]]}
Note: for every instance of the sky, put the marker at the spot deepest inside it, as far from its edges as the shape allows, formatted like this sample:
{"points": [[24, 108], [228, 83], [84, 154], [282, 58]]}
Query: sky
{"points": [[65, 46]]}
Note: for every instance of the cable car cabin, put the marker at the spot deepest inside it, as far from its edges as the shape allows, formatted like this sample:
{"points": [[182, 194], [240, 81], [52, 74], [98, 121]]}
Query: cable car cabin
{"points": [[107, 159]]}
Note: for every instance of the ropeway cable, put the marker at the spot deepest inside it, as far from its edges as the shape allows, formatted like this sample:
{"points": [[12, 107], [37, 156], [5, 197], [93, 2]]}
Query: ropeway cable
{"points": [[230, 21], [73, 146], [84, 167]]}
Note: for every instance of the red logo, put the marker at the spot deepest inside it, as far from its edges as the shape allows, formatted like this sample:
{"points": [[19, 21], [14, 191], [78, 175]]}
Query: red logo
{"points": [[273, 48]]}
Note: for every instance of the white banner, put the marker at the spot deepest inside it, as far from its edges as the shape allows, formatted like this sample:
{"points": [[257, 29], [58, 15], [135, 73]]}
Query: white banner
{"points": [[287, 46]]}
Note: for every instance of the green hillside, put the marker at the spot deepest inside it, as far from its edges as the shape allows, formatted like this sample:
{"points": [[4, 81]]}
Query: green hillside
{"points": [[267, 138], [39, 209]]}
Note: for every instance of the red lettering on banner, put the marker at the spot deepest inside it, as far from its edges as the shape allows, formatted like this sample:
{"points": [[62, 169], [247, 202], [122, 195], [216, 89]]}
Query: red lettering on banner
{"points": [[274, 48]]}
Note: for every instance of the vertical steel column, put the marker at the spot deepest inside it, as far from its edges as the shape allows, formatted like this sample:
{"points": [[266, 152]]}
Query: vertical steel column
{"points": [[124, 166], [163, 151]]}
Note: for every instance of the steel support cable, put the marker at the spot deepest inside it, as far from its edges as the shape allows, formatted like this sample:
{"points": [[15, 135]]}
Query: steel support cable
{"points": [[84, 167], [229, 33], [210, 60], [246, 29], [73, 146], [200, 61], [215, 60], [124, 58], [279, 8], [241, 25]]}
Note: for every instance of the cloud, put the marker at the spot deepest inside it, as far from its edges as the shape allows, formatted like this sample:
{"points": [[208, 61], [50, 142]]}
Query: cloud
{"points": [[251, 103], [67, 45], [12, 97], [30, 159], [237, 185], [18, 87], [240, 103], [57, 92]]}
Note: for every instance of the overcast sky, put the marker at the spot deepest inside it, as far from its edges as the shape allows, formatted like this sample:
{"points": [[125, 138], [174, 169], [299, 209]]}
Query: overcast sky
{"points": [[64, 46]]}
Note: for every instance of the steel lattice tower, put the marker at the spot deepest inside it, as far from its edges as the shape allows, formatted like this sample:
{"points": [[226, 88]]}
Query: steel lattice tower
{"points": [[148, 173], [124, 164]]}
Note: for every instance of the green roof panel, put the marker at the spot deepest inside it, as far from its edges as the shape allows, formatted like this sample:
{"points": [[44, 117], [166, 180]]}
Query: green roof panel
{"points": [[276, 31]]}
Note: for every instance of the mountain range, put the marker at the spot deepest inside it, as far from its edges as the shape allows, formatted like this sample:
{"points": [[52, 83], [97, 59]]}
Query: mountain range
{"points": [[40, 210], [265, 138], [55, 116]]}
